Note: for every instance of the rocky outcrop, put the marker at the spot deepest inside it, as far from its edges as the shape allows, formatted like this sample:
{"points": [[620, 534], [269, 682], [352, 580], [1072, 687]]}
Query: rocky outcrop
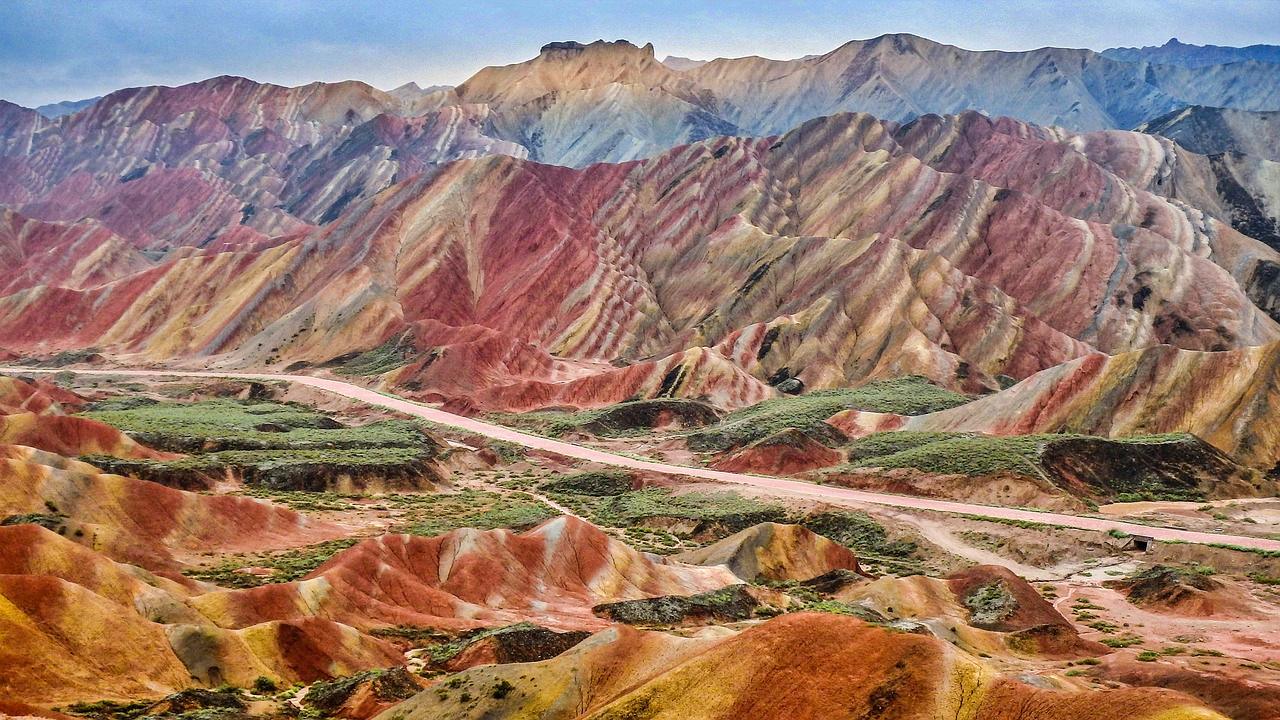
{"points": [[726, 605], [775, 552], [787, 452], [1181, 592]]}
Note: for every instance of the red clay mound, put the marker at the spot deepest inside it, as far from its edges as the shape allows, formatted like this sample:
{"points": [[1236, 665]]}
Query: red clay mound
{"points": [[141, 522], [788, 452], [303, 650], [773, 551], [999, 600], [41, 397], [70, 436], [802, 666], [554, 574], [32, 414], [33, 550]]}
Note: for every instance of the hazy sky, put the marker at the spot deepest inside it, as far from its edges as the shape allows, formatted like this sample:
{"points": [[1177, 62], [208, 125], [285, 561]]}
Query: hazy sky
{"points": [[54, 50]]}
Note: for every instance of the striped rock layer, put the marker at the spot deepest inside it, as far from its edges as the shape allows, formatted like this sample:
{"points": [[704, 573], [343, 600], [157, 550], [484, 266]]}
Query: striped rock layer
{"points": [[958, 248], [79, 627], [553, 575], [800, 665], [1229, 399]]}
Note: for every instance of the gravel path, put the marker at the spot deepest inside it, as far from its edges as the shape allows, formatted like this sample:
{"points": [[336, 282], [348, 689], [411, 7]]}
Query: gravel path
{"points": [[775, 485]]}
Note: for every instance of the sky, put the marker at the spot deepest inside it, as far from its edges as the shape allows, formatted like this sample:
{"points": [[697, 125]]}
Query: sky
{"points": [[52, 50]]}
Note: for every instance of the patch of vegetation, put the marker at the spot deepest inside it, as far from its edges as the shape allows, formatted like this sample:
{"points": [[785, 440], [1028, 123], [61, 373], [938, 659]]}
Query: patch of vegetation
{"points": [[190, 704], [64, 358], [274, 445], [501, 689], [285, 566], [48, 522], [110, 709], [729, 510], [1148, 656], [395, 352], [604, 483], [625, 419], [508, 452], [990, 604], [838, 607], [275, 469], [225, 424], [315, 501], [860, 532], [727, 604], [1240, 548], [975, 455], [438, 513], [961, 454], [907, 396], [443, 651], [1124, 641], [387, 685]]}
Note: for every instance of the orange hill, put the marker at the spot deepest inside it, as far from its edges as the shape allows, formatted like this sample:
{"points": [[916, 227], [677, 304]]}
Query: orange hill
{"points": [[797, 667]]}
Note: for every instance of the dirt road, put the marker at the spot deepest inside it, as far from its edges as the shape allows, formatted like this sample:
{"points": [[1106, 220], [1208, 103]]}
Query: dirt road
{"points": [[777, 486]]}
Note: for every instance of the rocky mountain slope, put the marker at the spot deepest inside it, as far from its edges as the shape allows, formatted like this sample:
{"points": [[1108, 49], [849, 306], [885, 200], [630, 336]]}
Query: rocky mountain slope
{"points": [[1174, 52], [709, 270], [1213, 131]]}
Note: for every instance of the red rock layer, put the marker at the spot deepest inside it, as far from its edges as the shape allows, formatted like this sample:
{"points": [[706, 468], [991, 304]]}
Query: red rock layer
{"points": [[142, 522], [553, 574], [32, 416], [522, 281]]}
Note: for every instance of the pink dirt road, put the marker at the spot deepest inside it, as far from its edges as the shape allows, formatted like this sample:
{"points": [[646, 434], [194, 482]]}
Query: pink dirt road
{"points": [[774, 485]]}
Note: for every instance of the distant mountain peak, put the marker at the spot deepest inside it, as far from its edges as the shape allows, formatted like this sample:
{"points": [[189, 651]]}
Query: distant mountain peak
{"points": [[569, 48], [66, 107], [680, 64]]}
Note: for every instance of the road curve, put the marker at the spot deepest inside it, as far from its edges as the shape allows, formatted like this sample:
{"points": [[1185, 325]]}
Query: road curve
{"points": [[779, 486]]}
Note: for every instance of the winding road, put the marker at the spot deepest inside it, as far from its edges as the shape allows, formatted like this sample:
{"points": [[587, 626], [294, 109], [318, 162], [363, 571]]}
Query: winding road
{"points": [[773, 485]]}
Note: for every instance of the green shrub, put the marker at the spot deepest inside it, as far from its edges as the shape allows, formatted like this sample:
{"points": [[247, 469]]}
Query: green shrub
{"points": [[598, 483]]}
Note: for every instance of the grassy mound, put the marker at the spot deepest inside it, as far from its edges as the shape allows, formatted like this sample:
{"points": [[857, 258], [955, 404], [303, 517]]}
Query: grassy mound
{"points": [[273, 445], [1154, 467], [620, 420], [225, 424], [905, 396]]}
